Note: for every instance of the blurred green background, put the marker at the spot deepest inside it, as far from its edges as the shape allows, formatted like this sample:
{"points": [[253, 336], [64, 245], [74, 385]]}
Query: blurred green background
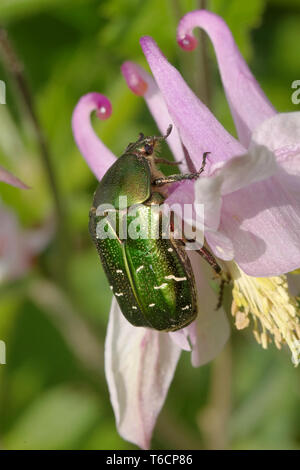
{"points": [[53, 319]]}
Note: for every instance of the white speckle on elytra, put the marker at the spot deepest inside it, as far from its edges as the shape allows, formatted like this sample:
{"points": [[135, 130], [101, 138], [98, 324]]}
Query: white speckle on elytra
{"points": [[162, 286], [119, 271], [111, 287], [134, 307], [177, 279], [170, 249], [186, 307], [139, 268], [119, 294], [151, 305]]}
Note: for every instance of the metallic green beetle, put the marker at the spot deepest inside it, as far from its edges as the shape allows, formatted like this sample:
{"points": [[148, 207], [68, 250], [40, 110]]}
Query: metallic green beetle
{"points": [[151, 277]]}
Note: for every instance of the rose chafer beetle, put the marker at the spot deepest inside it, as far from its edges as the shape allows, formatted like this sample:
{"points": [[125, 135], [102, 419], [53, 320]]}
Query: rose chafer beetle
{"points": [[151, 277]]}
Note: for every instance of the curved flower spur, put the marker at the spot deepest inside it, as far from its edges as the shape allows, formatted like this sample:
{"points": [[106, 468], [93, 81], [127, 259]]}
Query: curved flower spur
{"points": [[250, 204]]}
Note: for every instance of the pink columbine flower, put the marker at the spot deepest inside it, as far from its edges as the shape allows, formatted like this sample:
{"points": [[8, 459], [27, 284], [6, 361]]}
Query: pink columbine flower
{"points": [[140, 362], [250, 189], [252, 217]]}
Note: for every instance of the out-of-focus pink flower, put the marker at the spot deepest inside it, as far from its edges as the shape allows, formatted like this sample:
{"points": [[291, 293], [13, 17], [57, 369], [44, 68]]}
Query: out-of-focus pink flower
{"points": [[19, 247]]}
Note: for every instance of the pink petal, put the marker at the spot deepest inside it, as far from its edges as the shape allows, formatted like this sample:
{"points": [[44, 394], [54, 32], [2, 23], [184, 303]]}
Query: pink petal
{"points": [[220, 244], [181, 338], [257, 164], [263, 219], [139, 365], [97, 155], [259, 224], [199, 130], [263, 222], [281, 134], [248, 103], [141, 83], [184, 196], [9, 178]]}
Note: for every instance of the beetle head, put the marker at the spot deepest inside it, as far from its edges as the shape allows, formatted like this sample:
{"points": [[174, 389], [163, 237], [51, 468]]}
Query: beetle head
{"points": [[146, 146]]}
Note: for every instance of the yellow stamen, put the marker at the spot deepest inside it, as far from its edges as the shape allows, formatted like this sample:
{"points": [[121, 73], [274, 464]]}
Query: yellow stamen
{"points": [[274, 311]]}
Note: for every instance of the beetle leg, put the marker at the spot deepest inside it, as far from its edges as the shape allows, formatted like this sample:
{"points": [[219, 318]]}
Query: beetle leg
{"points": [[166, 162], [168, 180], [206, 254], [187, 176], [221, 293], [220, 274]]}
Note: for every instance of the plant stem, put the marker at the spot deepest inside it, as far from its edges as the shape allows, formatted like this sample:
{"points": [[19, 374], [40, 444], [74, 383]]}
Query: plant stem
{"points": [[16, 70], [213, 421]]}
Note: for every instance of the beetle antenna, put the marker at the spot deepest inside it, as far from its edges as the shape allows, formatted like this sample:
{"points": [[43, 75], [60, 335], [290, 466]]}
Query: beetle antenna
{"points": [[164, 137], [169, 130]]}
